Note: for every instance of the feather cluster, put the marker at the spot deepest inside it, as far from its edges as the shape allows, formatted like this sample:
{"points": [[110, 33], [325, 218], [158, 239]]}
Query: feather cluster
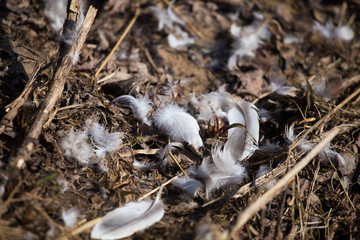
{"points": [[222, 169], [172, 119], [132, 217], [171, 23], [343, 33], [90, 144], [326, 154], [247, 39], [218, 172]]}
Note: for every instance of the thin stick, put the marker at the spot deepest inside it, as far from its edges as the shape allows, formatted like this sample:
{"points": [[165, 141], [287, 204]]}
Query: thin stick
{"points": [[65, 62], [156, 189], [122, 37], [18, 102], [82, 228], [176, 161], [140, 151], [260, 203], [329, 114]]}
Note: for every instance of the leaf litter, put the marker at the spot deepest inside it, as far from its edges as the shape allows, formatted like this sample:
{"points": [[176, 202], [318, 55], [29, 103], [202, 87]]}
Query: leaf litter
{"points": [[233, 85]]}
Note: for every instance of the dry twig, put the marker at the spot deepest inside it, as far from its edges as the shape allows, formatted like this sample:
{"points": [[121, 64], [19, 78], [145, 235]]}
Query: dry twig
{"points": [[64, 64], [260, 203]]}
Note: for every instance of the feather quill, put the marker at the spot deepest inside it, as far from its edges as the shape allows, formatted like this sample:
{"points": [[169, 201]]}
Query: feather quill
{"points": [[241, 143], [140, 106], [178, 124], [125, 221]]}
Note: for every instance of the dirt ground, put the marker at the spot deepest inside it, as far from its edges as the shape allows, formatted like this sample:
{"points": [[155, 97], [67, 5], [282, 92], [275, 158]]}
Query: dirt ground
{"points": [[323, 201]]}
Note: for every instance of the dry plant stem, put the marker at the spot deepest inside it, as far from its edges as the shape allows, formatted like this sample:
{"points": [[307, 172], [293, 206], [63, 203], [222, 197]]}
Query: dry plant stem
{"points": [[81, 229], [261, 181], [18, 102], [329, 114], [57, 83], [173, 158], [140, 151], [260, 203], [157, 189], [127, 30], [3, 206]]}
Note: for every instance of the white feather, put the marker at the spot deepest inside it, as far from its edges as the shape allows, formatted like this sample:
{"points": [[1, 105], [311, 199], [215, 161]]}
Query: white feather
{"points": [[247, 41], [226, 171], [178, 124], [166, 18], [303, 145], [142, 166], [103, 141], [75, 143], [241, 143], [140, 106], [125, 221], [213, 104], [235, 115], [189, 185], [347, 166], [70, 216], [203, 171], [278, 85], [343, 33], [182, 40], [55, 11], [163, 152]]}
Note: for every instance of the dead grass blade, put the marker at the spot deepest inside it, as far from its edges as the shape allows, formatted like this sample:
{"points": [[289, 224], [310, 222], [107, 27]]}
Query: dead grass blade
{"points": [[122, 37], [260, 203], [65, 63]]}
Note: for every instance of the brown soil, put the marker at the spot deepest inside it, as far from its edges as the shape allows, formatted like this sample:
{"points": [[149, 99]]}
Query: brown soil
{"points": [[315, 206]]}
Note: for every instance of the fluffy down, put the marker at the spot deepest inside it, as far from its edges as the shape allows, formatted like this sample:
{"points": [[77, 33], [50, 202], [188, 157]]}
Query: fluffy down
{"points": [[247, 40], [178, 124], [140, 106], [91, 143]]}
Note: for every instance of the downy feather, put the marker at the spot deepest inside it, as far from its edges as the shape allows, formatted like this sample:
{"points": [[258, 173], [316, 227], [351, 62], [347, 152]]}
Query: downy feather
{"points": [[213, 104], [343, 33], [140, 106], [180, 39], [70, 216], [226, 171], [281, 89], [166, 18], [125, 221], [163, 152], [247, 40], [178, 124], [189, 185]]}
